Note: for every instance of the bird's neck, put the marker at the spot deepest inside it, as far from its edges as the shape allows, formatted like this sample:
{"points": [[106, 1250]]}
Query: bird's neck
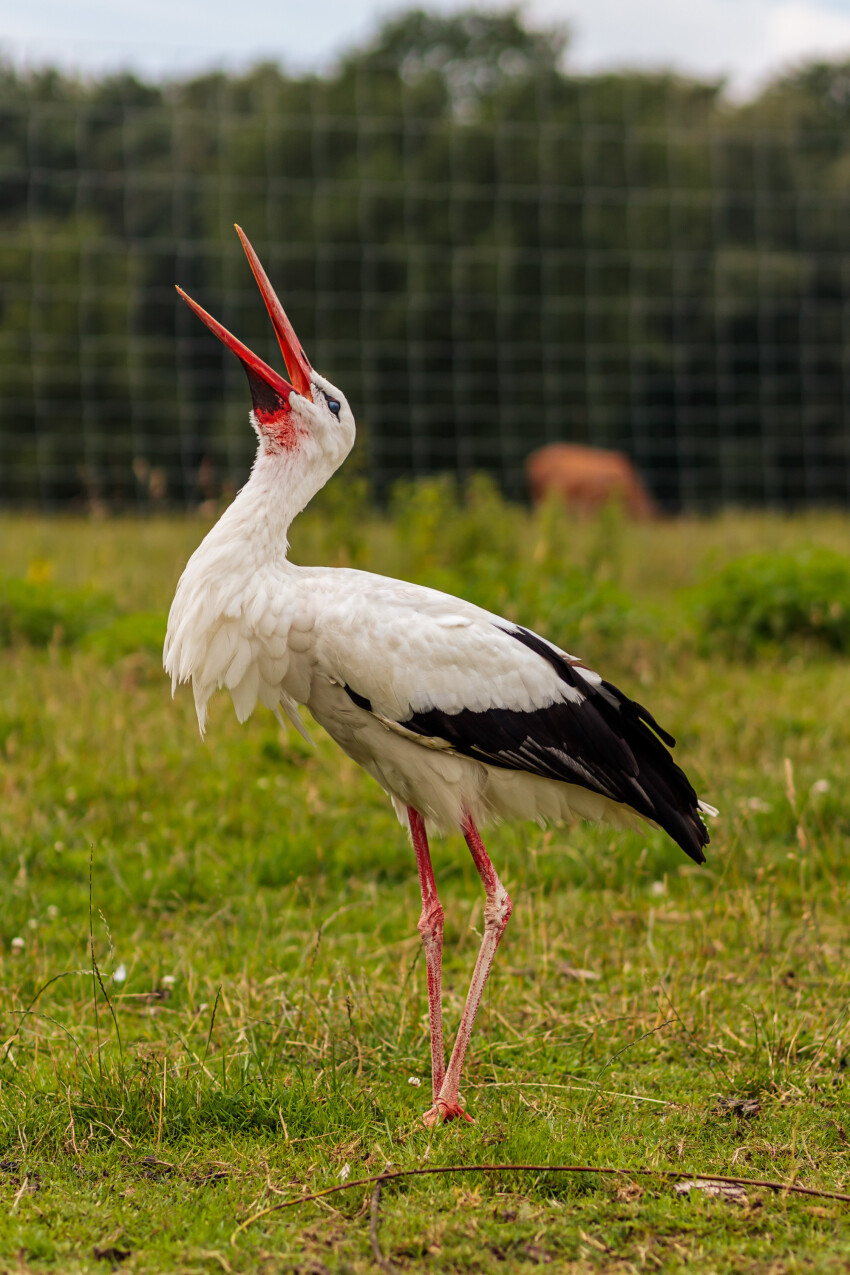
{"points": [[263, 511], [231, 569]]}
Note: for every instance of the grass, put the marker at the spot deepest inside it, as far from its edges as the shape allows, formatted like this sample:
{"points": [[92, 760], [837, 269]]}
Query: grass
{"points": [[253, 914]]}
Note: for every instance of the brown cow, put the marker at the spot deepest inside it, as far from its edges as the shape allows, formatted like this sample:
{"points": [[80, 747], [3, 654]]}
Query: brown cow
{"points": [[586, 478]]}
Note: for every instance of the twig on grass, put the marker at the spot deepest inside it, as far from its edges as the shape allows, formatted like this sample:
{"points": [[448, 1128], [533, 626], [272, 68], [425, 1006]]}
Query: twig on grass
{"points": [[670, 1175]]}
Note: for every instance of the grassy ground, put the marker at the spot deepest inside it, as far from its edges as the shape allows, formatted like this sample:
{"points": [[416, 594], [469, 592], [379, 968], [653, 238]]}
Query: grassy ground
{"points": [[253, 910]]}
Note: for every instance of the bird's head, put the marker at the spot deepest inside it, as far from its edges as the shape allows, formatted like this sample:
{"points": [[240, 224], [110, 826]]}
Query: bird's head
{"points": [[305, 417]]}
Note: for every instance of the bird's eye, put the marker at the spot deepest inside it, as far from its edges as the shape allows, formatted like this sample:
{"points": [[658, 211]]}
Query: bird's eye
{"points": [[333, 404]]}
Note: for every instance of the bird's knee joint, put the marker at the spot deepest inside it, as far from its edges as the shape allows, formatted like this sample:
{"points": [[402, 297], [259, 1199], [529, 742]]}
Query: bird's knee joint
{"points": [[430, 923], [498, 909]]}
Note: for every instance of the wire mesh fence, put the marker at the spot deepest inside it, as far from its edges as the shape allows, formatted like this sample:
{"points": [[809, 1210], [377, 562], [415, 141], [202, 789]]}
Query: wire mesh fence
{"points": [[483, 262]]}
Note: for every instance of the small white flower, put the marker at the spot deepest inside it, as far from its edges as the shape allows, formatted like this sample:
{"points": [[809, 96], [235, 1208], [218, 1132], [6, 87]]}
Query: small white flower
{"points": [[344, 1173], [18, 944], [168, 980], [52, 911], [657, 889], [120, 974], [758, 804], [32, 923], [821, 785], [415, 1081]]}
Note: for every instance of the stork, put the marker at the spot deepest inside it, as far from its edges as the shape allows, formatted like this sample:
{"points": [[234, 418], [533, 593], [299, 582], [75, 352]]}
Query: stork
{"points": [[464, 718]]}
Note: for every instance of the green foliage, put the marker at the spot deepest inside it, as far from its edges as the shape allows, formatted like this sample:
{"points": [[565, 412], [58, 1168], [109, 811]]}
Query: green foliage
{"points": [[469, 55], [778, 599], [51, 368], [141, 631], [39, 612]]}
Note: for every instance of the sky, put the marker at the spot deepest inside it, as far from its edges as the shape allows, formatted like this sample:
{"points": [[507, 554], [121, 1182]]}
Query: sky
{"points": [[745, 41]]}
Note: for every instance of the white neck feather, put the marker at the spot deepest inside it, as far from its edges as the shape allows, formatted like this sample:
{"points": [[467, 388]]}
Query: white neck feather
{"points": [[212, 617], [261, 514], [256, 525]]}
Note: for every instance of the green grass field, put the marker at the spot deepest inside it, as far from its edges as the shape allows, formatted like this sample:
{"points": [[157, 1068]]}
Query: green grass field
{"points": [[259, 1028]]}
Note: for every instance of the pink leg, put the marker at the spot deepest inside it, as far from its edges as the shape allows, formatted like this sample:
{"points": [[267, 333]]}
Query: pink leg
{"points": [[497, 912], [431, 929]]}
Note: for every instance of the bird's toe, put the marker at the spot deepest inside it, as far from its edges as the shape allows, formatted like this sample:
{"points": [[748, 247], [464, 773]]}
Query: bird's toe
{"points": [[442, 1112]]}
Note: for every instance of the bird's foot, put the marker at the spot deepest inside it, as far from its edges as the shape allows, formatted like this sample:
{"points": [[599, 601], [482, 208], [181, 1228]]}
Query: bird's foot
{"points": [[442, 1112]]}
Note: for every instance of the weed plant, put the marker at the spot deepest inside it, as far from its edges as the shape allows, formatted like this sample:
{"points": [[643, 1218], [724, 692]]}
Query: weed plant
{"points": [[778, 600], [39, 612]]}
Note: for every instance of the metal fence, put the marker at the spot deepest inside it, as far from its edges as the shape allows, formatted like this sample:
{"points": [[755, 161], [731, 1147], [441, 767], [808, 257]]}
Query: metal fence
{"points": [[622, 260]]}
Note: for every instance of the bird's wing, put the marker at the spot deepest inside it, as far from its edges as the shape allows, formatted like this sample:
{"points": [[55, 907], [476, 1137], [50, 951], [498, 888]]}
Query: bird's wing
{"points": [[244, 629], [454, 676]]}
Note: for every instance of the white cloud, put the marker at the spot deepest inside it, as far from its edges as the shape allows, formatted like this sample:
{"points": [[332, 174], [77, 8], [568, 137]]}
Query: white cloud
{"points": [[746, 40], [796, 30]]}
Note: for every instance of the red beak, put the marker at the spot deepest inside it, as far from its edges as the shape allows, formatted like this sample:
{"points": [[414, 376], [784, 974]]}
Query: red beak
{"points": [[269, 390]]}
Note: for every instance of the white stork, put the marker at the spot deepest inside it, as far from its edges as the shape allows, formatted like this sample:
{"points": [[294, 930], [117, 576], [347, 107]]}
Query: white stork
{"points": [[462, 717]]}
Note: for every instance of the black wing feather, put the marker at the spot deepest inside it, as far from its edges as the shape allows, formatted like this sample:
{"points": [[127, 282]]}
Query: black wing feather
{"points": [[607, 743]]}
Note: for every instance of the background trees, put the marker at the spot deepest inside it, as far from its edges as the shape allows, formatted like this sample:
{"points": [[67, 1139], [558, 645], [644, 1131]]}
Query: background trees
{"points": [[484, 250]]}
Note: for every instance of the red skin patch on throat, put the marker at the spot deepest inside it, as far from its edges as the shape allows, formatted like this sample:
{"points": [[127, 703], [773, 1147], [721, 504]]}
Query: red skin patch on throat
{"points": [[272, 411], [279, 427]]}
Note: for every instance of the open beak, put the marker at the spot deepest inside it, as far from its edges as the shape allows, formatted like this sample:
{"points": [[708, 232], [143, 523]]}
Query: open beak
{"points": [[269, 390], [297, 363]]}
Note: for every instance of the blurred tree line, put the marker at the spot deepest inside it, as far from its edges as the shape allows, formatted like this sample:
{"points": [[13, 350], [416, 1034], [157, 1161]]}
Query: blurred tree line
{"points": [[484, 251]]}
